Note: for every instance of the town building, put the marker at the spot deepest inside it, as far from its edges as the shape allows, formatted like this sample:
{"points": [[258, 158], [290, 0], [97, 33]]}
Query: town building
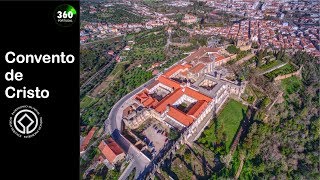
{"points": [[189, 19], [111, 152], [86, 140]]}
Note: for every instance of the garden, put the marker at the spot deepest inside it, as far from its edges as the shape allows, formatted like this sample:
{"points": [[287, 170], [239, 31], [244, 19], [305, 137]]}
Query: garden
{"points": [[286, 69], [291, 85], [219, 135]]}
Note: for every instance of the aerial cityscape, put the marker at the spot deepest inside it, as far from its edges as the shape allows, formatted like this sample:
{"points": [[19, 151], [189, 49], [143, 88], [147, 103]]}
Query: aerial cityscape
{"points": [[199, 89]]}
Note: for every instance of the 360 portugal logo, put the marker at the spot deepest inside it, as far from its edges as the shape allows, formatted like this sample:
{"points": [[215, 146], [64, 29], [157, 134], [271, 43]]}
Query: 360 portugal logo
{"points": [[65, 15], [25, 121]]}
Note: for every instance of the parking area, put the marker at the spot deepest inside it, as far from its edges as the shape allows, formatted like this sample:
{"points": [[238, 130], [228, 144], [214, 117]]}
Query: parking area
{"points": [[156, 135]]}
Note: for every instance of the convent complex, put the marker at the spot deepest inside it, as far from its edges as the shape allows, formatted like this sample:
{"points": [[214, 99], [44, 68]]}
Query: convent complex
{"points": [[185, 94]]}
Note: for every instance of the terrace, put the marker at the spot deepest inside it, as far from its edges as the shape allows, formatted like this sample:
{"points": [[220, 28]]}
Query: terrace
{"points": [[152, 133], [207, 84], [160, 93]]}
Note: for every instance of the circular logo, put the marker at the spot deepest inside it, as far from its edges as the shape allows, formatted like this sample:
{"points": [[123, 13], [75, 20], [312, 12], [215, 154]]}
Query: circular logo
{"points": [[25, 121], [65, 15]]}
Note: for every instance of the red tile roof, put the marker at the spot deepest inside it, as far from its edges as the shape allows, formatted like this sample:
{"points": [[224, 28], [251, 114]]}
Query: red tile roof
{"points": [[87, 139], [142, 96], [110, 149], [184, 73], [145, 99], [196, 95], [199, 53], [195, 55], [114, 146], [188, 65], [150, 102], [180, 116], [173, 97], [172, 70], [205, 60], [197, 108], [152, 85], [168, 100], [176, 68], [218, 57], [168, 82], [197, 68], [202, 100]]}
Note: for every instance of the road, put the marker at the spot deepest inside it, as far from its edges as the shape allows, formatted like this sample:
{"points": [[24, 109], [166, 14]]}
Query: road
{"points": [[113, 125], [97, 73]]}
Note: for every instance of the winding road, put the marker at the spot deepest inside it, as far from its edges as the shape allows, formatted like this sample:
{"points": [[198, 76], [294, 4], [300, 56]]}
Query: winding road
{"points": [[113, 126]]}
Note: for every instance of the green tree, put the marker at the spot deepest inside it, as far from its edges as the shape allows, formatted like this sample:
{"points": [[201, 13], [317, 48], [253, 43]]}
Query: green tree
{"points": [[233, 49], [173, 134]]}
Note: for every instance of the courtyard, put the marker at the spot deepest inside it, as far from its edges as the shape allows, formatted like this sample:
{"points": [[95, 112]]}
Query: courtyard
{"points": [[156, 135]]}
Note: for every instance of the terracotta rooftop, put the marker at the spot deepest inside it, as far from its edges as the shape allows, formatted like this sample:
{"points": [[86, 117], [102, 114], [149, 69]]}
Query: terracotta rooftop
{"points": [[197, 68], [144, 98], [150, 102], [208, 49], [197, 108], [195, 55], [180, 116], [179, 89], [196, 95], [110, 149], [200, 52], [218, 57], [152, 85], [205, 60], [184, 73], [168, 100], [174, 69], [87, 139], [168, 82], [173, 97], [187, 65]]}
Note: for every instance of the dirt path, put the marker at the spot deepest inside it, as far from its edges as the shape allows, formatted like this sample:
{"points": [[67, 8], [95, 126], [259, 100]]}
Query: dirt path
{"points": [[101, 87], [97, 73], [246, 58], [240, 167], [272, 69], [181, 44], [275, 100]]}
